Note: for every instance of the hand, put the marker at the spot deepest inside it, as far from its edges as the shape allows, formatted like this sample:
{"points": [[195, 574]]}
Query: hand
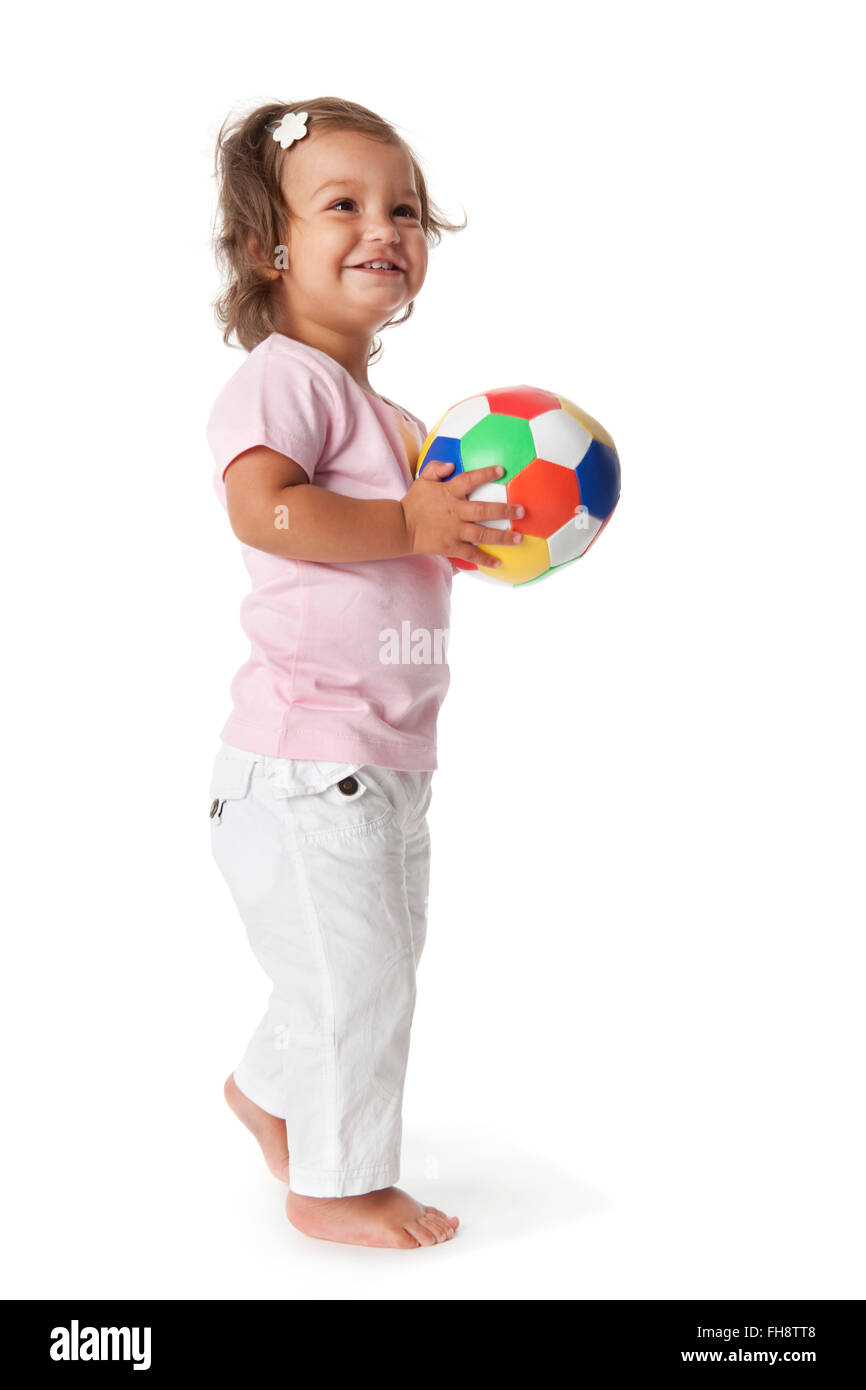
{"points": [[440, 521]]}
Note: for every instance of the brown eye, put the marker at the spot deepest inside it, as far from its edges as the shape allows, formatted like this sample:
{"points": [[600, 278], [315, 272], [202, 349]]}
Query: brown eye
{"points": [[403, 208]]}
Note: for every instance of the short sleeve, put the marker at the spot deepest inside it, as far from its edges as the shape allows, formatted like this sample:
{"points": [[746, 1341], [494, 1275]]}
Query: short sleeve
{"points": [[279, 401], [418, 422]]}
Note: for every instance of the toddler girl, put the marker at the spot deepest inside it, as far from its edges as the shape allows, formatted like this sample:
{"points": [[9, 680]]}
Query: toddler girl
{"points": [[322, 782]]}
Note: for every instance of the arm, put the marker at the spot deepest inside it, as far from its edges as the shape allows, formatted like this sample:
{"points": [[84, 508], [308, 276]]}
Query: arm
{"points": [[316, 524], [273, 508]]}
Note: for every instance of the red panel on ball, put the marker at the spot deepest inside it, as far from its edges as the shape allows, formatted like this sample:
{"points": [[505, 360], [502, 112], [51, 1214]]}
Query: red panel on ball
{"points": [[525, 402], [549, 494]]}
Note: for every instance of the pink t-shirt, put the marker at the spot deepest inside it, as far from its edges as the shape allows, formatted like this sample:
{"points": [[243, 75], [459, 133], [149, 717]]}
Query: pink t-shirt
{"points": [[348, 662]]}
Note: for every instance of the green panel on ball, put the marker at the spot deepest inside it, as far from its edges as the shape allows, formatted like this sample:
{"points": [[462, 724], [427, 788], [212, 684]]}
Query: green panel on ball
{"points": [[498, 439]]}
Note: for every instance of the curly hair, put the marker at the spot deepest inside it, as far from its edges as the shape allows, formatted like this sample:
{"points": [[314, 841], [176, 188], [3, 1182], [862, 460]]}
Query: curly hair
{"points": [[252, 210]]}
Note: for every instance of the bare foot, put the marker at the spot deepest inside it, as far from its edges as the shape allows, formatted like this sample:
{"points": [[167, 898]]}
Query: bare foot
{"points": [[270, 1130], [387, 1217]]}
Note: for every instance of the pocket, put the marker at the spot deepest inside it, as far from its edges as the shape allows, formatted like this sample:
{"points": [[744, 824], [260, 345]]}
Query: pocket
{"points": [[344, 802], [230, 781], [301, 777]]}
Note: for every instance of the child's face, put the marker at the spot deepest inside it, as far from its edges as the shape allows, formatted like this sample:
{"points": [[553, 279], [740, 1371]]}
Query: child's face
{"points": [[368, 211]]}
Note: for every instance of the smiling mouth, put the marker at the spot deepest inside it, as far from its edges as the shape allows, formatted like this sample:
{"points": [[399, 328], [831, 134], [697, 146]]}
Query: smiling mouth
{"points": [[368, 271]]}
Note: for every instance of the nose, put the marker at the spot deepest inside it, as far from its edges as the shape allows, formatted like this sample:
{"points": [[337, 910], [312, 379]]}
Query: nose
{"points": [[382, 237], [381, 230]]}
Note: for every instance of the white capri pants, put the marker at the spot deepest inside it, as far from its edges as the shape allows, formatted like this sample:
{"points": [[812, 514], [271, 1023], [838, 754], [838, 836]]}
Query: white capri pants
{"points": [[329, 865]]}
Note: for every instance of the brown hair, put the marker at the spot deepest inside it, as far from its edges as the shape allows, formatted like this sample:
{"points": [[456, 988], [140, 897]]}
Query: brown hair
{"points": [[252, 209]]}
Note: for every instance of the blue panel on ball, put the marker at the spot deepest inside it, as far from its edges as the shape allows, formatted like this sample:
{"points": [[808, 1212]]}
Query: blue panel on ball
{"points": [[598, 477], [444, 449]]}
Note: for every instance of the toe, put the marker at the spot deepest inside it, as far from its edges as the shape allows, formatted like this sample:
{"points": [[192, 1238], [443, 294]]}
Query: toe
{"points": [[452, 1221], [422, 1234], [439, 1228], [405, 1240]]}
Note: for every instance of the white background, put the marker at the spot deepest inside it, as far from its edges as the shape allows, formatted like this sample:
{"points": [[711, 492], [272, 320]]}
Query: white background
{"points": [[637, 1061]]}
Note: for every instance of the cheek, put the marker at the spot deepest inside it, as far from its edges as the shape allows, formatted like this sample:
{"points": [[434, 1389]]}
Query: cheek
{"points": [[327, 256], [420, 253]]}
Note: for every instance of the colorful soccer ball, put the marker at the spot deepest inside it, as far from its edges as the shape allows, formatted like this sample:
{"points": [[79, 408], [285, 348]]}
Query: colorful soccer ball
{"points": [[560, 465]]}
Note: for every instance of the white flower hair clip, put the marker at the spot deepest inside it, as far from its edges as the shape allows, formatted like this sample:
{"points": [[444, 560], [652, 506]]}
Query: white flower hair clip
{"points": [[292, 127]]}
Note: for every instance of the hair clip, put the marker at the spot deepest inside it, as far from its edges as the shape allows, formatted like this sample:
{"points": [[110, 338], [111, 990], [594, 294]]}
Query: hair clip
{"points": [[292, 127]]}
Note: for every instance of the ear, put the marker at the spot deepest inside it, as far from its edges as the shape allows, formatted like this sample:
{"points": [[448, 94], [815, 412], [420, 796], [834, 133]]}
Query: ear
{"points": [[270, 267]]}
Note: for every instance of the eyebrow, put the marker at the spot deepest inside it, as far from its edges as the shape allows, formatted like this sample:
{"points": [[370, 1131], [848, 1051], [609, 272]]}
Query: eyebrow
{"points": [[353, 183]]}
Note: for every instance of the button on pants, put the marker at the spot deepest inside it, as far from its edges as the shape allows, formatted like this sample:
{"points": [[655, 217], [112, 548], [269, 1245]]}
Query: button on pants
{"points": [[329, 866]]}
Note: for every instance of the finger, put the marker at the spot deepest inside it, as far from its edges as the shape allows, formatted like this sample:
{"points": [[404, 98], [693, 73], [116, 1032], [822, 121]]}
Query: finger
{"points": [[465, 482], [491, 511], [473, 556], [491, 535], [464, 551]]}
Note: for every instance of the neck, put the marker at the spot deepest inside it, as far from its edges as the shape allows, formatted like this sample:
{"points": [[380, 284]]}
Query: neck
{"points": [[351, 353]]}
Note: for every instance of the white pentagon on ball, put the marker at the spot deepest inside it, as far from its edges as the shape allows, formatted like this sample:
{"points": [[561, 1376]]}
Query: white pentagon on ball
{"points": [[462, 417], [559, 438], [572, 539], [491, 492]]}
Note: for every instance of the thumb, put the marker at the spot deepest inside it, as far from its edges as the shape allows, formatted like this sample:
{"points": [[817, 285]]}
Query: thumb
{"points": [[436, 468]]}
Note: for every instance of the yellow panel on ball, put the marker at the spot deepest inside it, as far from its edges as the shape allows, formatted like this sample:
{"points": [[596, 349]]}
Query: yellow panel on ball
{"points": [[526, 560], [596, 430]]}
